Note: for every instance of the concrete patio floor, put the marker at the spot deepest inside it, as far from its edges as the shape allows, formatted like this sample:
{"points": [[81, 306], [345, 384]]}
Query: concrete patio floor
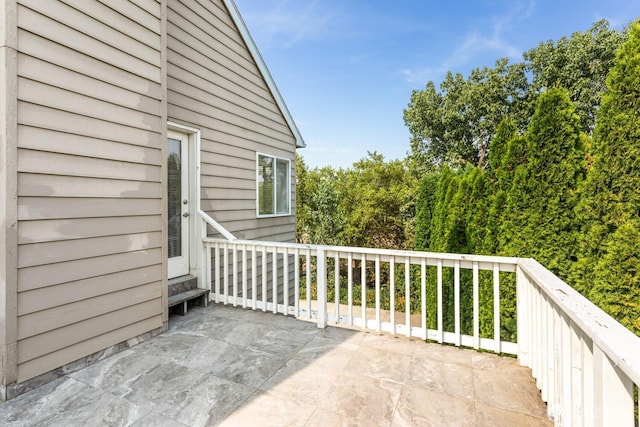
{"points": [[231, 367]]}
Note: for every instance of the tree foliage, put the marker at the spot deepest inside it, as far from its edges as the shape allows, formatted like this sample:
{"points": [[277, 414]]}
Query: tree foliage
{"points": [[369, 205], [454, 124], [548, 185], [580, 64], [609, 210], [317, 219], [376, 203]]}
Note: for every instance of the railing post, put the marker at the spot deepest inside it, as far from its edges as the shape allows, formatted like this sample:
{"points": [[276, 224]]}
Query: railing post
{"points": [[613, 393], [321, 283], [523, 300]]}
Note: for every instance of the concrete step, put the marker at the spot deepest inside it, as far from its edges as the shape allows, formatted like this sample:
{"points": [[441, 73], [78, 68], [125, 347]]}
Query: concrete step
{"points": [[181, 284], [184, 292], [182, 300]]}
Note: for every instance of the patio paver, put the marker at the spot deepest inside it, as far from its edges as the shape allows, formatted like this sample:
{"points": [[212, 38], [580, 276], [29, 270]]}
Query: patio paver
{"points": [[226, 366]]}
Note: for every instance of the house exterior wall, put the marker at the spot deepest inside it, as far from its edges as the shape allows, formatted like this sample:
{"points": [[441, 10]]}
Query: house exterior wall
{"points": [[215, 86], [90, 179], [87, 89]]}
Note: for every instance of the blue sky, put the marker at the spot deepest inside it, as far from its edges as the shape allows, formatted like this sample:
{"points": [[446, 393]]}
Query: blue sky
{"points": [[346, 68]]}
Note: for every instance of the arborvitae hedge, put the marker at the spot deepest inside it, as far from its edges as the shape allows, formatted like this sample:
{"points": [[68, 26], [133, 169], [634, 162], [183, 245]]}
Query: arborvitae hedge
{"points": [[555, 167], [425, 210], [608, 270]]}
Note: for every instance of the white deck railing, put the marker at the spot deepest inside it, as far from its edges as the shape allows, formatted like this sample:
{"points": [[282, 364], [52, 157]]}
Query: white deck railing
{"points": [[586, 365]]}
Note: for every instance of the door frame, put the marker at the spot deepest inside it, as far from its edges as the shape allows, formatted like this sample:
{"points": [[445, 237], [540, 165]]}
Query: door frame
{"points": [[193, 166]]}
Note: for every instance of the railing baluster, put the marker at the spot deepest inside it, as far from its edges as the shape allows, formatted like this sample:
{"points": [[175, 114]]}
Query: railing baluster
{"points": [[576, 377], [496, 309], [523, 298], [440, 314], [285, 287], [234, 249], [456, 291], [244, 276], [588, 401], [363, 290], [565, 361], [599, 372], [392, 294], [274, 275], [254, 277], [296, 284], [207, 264], [476, 306], [423, 295], [350, 288], [321, 261], [556, 362], [537, 329], [225, 277], [265, 263], [545, 378], [407, 296], [378, 318], [544, 343], [548, 385], [336, 280], [308, 279], [217, 268]]}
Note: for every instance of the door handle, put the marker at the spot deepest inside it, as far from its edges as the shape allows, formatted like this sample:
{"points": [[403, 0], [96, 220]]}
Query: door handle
{"points": [[186, 214]]}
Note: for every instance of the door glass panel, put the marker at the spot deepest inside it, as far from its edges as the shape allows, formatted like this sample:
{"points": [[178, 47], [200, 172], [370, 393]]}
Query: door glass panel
{"points": [[174, 192]]}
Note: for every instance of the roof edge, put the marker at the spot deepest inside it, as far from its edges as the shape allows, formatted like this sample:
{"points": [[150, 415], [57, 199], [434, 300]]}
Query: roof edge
{"points": [[262, 66]]}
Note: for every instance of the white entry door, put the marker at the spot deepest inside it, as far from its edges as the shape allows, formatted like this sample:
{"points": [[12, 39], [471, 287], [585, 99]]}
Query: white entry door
{"points": [[179, 203]]}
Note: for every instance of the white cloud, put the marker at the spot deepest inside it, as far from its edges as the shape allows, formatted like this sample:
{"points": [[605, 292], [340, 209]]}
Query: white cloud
{"points": [[285, 22], [476, 43], [425, 74]]}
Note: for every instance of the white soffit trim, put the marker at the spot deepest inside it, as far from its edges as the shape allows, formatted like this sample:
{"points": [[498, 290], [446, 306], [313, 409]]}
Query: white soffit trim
{"points": [[271, 84]]}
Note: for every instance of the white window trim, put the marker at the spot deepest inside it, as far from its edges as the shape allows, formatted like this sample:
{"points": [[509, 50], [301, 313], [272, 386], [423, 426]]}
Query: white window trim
{"points": [[275, 160]]}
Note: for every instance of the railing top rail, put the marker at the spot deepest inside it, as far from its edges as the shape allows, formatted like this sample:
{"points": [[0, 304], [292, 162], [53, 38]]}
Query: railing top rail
{"points": [[373, 251], [620, 344], [219, 228]]}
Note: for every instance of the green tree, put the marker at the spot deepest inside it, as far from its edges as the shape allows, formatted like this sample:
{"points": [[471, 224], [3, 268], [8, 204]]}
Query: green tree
{"points": [[609, 209], [580, 64], [304, 191], [498, 180], [541, 172], [616, 283], [317, 199], [555, 168], [425, 205], [374, 198], [454, 126], [511, 197]]}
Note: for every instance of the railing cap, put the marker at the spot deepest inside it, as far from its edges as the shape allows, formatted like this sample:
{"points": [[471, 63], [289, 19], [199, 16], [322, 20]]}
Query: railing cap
{"points": [[619, 344]]}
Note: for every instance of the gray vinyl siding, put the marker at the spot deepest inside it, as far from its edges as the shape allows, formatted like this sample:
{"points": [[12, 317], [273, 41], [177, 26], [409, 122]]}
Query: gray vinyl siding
{"points": [[215, 86], [89, 178]]}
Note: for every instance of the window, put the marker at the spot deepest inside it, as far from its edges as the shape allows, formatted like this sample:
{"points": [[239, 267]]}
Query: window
{"points": [[274, 185]]}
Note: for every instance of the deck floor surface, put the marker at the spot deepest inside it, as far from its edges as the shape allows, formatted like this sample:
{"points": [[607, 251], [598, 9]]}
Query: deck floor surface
{"points": [[227, 366]]}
